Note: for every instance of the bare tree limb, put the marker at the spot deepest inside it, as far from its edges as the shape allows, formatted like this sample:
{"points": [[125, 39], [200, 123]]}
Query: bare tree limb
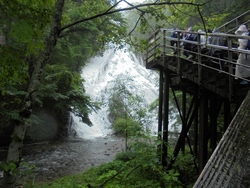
{"points": [[203, 22], [111, 11], [137, 22], [133, 6], [106, 181], [131, 171]]}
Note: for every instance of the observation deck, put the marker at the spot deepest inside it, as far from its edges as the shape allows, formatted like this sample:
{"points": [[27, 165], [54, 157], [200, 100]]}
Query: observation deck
{"points": [[214, 73]]}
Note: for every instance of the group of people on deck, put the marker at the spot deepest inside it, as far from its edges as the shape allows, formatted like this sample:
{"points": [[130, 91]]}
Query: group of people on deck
{"points": [[242, 68]]}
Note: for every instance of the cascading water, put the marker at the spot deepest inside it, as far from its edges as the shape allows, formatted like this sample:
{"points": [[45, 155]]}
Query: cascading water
{"points": [[99, 75]]}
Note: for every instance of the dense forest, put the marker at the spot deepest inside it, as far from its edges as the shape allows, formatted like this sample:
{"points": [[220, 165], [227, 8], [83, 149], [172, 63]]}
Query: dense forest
{"points": [[45, 45]]}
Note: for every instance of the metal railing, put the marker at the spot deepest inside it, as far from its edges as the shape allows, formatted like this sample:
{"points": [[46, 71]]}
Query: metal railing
{"points": [[232, 25], [224, 63]]}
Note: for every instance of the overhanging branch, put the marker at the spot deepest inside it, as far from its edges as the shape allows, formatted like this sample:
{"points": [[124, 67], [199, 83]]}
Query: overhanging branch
{"points": [[111, 11]]}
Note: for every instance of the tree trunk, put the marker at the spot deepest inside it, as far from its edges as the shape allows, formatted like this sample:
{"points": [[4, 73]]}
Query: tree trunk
{"points": [[15, 147]]}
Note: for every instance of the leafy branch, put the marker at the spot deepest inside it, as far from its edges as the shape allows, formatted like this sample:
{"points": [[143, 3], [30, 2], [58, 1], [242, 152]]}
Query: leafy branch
{"points": [[111, 11]]}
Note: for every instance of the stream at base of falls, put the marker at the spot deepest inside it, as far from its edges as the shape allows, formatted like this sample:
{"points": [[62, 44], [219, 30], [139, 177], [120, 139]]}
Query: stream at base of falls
{"points": [[56, 159]]}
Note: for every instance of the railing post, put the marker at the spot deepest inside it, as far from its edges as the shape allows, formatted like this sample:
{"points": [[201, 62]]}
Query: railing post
{"points": [[164, 47], [231, 72], [199, 59], [147, 52], [155, 50], [178, 52]]}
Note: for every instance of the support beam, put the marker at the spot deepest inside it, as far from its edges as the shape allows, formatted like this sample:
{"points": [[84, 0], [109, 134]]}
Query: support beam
{"points": [[214, 110], [203, 130], [165, 118], [227, 114], [196, 124], [160, 112], [184, 120]]}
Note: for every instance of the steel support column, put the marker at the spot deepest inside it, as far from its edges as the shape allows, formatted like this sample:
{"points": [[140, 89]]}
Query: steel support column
{"points": [[214, 110], [196, 130], [227, 114], [203, 130], [184, 116], [196, 123], [160, 112], [165, 117]]}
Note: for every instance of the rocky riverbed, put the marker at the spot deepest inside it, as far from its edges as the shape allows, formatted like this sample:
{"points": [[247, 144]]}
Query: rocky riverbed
{"points": [[56, 159]]}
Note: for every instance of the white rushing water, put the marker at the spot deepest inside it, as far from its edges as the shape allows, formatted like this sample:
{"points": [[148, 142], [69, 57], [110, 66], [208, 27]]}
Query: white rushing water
{"points": [[99, 74]]}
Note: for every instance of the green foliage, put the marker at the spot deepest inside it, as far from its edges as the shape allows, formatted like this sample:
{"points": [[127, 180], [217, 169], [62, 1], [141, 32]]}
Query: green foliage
{"points": [[126, 126], [22, 27], [60, 90], [9, 167], [142, 24], [26, 22], [12, 69], [82, 41], [25, 27], [127, 110], [10, 103], [185, 165]]}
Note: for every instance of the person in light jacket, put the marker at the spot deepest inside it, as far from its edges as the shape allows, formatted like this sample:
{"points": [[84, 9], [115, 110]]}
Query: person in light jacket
{"points": [[243, 59]]}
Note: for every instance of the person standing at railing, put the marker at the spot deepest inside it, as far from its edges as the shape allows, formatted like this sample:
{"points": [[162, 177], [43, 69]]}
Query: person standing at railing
{"points": [[189, 47], [243, 59], [173, 43], [204, 40], [216, 52]]}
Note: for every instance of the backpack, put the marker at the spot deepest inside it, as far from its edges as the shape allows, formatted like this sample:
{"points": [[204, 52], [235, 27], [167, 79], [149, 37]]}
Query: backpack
{"points": [[192, 37], [220, 41], [173, 34], [189, 46]]}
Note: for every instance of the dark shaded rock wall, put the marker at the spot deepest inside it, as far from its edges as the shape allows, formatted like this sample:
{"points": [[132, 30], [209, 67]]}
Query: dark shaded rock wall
{"points": [[45, 127]]}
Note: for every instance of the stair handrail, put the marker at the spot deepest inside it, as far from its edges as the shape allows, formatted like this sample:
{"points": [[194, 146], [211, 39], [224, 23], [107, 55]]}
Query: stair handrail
{"points": [[157, 50], [236, 20]]}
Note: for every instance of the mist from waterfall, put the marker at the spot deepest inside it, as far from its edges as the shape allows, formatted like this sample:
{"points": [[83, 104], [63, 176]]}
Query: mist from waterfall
{"points": [[100, 74]]}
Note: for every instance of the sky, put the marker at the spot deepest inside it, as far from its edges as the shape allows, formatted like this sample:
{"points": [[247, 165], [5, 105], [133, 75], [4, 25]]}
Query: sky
{"points": [[131, 1]]}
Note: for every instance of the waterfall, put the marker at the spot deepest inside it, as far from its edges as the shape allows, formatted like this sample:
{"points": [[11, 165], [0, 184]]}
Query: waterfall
{"points": [[99, 74]]}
